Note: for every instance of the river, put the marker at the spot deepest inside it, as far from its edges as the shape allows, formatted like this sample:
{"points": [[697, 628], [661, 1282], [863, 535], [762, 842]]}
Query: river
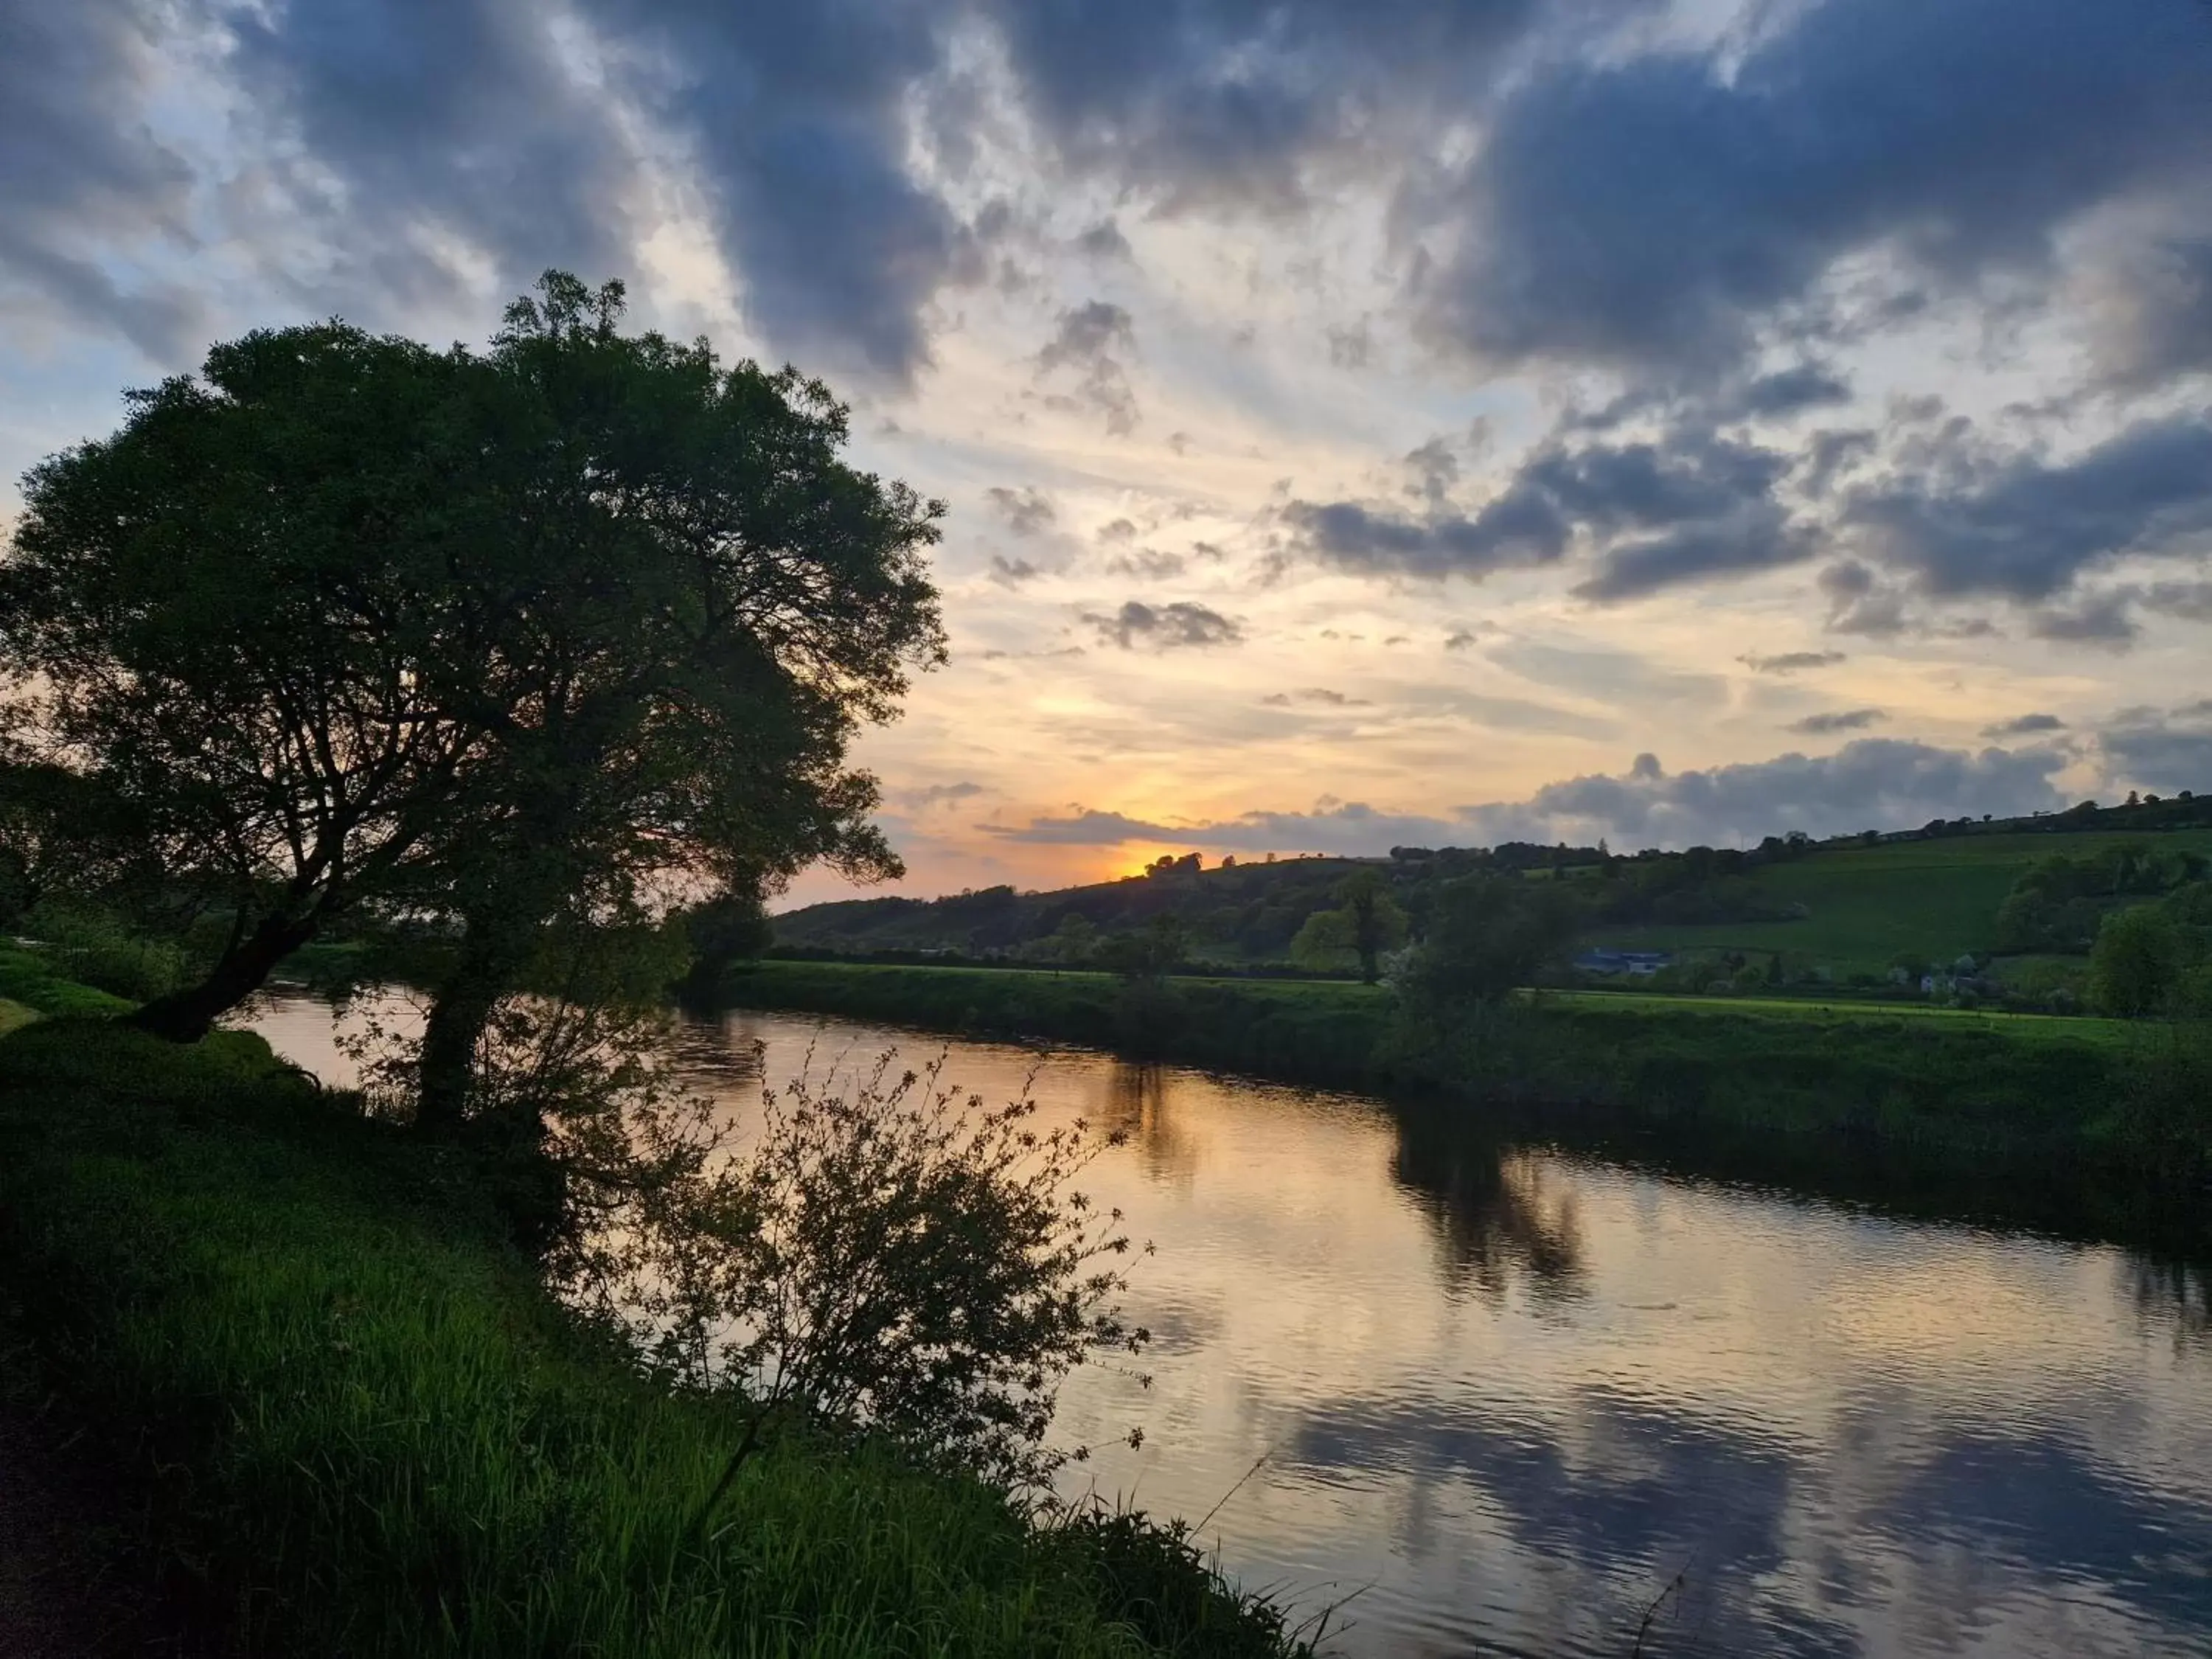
{"points": [[1507, 1399]]}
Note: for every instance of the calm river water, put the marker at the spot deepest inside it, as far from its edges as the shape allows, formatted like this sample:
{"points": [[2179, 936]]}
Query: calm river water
{"points": [[1504, 1397]]}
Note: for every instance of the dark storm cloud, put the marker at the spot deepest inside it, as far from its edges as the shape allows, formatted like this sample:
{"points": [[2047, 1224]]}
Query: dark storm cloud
{"points": [[1859, 602], [2154, 313], [1226, 102], [1513, 530], [1869, 783], [1147, 562], [1656, 514], [2163, 750], [79, 169], [1085, 341], [1353, 827], [1435, 468], [2191, 600], [467, 120], [1791, 391], [1757, 536], [440, 118], [1082, 829], [2024, 527], [1026, 511], [1790, 662], [2101, 619], [799, 116], [1848, 719], [1165, 627], [1708, 195], [2025, 725], [1104, 241], [1826, 456]]}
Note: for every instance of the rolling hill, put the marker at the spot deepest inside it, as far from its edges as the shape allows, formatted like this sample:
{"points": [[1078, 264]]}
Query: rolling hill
{"points": [[1842, 907]]}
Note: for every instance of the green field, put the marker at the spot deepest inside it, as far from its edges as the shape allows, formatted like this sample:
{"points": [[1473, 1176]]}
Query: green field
{"points": [[2023, 1026], [1868, 905]]}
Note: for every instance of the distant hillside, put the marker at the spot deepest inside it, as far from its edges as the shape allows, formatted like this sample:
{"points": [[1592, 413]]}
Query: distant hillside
{"points": [[1849, 905]]}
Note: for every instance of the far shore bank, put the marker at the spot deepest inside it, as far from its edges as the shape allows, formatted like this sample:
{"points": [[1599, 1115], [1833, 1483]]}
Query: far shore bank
{"points": [[2046, 1123]]}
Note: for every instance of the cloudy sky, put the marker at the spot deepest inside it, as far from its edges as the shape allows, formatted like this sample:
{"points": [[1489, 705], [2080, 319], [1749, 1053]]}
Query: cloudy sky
{"points": [[1363, 421]]}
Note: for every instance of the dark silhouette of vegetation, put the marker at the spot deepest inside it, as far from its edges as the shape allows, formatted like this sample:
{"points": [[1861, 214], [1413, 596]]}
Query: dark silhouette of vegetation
{"points": [[489, 639], [234, 618], [1487, 936], [1147, 955], [706, 606], [723, 934]]}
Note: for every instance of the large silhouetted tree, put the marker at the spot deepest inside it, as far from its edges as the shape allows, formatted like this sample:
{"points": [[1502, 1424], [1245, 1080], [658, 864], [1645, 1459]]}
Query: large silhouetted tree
{"points": [[234, 617], [708, 603], [502, 637]]}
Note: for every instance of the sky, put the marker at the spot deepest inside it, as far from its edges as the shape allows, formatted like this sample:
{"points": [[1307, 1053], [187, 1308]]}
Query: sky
{"points": [[1363, 423]]}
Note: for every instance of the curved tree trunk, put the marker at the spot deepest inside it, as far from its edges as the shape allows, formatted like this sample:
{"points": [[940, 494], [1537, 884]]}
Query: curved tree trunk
{"points": [[186, 1015], [460, 1010]]}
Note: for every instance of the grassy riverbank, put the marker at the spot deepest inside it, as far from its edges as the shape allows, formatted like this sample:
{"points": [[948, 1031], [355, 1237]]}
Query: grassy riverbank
{"points": [[353, 1423], [1940, 1079]]}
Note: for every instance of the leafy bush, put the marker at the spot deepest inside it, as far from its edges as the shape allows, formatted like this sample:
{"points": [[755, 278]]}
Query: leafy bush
{"points": [[886, 1255]]}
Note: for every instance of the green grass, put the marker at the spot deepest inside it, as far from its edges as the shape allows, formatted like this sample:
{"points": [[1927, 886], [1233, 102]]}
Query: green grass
{"points": [[1868, 905], [13, 1014], [2028, 1026], [364, 1430], [27, 978]]}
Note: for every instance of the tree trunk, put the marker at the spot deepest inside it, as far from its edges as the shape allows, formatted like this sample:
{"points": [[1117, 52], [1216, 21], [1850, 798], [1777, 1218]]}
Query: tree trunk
{"points": [[186, 1015], [459, 1011]]}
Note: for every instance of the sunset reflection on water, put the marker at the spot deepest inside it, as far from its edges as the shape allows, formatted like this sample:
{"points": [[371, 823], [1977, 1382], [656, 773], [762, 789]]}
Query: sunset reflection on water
{"points": [[1504, 1397]]}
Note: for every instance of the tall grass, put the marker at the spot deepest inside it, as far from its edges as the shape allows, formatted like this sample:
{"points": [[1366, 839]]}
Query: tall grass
{"points": [[374, 1435]]}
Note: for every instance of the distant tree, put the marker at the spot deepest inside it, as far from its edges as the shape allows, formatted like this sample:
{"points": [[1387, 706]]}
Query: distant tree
{"points": [[1074, 940], [1148, 955], [1323, 941], [1487, 936], [1376, 922], [2137, 962]]}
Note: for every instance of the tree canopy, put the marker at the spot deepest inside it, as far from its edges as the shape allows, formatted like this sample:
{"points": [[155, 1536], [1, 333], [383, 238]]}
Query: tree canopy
{"points": [[489, 635], [236, 616]]}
